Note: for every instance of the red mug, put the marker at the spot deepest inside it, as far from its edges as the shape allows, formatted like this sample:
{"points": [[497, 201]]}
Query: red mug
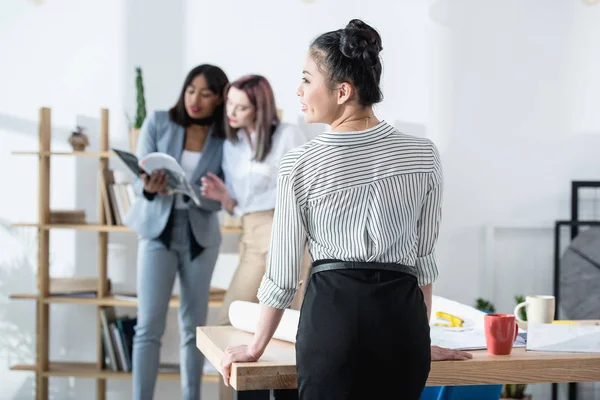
{"points": [[501, 331]]}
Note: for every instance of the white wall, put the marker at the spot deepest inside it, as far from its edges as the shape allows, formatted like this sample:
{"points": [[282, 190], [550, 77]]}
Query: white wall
{"points": [[508, 90]]}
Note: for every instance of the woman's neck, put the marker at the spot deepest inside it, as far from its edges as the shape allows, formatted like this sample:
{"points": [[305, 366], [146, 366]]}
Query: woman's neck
{"points": [[199, 129], [250, 129], [195, 138], [354, 119]]}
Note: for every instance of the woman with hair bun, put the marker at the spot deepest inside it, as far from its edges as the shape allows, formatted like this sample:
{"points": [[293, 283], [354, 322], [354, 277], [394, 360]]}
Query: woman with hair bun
{"points": [[368, 201]]}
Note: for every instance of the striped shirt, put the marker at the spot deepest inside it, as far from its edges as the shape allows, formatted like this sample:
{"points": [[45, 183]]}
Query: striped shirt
{"points": [[372, 195]]}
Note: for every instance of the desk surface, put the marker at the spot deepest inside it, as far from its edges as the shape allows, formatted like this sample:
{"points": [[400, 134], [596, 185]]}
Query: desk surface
{"points": [[277, 367]]}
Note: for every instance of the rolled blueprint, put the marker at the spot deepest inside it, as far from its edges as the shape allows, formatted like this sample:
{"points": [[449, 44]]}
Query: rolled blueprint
{"points": [[244, 316]]}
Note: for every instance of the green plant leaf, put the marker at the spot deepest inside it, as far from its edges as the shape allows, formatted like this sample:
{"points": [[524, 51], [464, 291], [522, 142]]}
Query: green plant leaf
{"points": [[484, 305], [140, 114]]}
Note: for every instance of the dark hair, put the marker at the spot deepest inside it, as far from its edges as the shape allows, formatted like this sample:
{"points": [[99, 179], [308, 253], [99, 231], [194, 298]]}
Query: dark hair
{"points": [[351, 55], [216, 80], [260, 94]]}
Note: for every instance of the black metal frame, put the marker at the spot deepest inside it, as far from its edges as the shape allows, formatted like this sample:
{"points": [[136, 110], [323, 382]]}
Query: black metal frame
{"points": [[574, 223]]}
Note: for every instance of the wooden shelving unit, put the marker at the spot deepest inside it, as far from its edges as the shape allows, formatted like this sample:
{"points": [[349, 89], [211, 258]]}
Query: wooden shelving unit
{"points": [[115, 300], [96, 227], [43, 367]]}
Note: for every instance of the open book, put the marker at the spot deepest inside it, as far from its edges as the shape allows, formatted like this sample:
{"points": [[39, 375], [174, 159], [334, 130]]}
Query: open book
{"points": [[176, 179]]}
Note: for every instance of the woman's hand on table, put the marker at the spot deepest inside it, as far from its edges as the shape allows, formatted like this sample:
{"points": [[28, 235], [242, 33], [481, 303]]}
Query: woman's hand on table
{"points": [[443, 354], [235, 354]]}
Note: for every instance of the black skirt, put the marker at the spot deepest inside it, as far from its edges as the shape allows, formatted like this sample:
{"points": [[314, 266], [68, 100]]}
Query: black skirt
{"points": [[363, 334]]}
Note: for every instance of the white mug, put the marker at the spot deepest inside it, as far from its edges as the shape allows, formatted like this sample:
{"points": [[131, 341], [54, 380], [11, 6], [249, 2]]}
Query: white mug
{"points": [[540, 309]]}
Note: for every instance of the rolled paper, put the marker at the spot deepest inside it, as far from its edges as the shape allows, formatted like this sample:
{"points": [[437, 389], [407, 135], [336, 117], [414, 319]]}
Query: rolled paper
{"points": [[244, 316]]}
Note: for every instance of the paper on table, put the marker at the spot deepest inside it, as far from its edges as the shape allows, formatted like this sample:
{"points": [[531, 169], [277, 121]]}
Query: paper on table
{"points": [[563, 338], [471, 336], [244, 316]]}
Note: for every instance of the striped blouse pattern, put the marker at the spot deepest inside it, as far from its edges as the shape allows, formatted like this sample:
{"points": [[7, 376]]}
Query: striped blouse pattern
{"points": [[373, 195]]}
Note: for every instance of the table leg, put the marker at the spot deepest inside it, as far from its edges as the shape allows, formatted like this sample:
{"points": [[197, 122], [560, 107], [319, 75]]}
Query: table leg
{"points": [[280, 394], [283, 394], [253, 395], [572, 391]]}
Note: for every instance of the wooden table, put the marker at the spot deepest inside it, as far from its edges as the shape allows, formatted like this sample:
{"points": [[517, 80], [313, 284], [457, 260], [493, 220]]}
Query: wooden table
{"points": [[276, 370]]}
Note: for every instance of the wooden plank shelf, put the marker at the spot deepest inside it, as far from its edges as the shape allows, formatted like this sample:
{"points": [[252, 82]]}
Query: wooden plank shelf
{"points": [[97, 227], [98, 154], [117, 300], [90, 370], [80, 227]]}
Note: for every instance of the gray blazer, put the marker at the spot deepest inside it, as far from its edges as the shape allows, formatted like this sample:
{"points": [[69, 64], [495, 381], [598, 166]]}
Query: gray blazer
{"points": [[148, 218]]}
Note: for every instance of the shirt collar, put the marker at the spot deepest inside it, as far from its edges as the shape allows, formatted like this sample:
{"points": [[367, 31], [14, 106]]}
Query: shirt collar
{"points": [[243, 136], [379, 131]]}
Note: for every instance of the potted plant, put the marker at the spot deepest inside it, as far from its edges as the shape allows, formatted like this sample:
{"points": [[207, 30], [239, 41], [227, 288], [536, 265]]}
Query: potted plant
{"points": [[484, 305], [517, 390], [79, 140], [140, 113]]}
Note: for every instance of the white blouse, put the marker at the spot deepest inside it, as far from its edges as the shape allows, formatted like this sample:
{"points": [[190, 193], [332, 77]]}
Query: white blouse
{"points": [[189, 161], [253, 184], [373, 195]]}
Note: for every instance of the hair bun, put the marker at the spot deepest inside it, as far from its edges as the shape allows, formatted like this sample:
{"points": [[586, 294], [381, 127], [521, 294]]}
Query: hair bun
{"points": [[360, 41]]}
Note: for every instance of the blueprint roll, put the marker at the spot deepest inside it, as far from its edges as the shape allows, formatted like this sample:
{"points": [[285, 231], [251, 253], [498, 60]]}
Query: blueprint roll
{"points": [[244, 316]]}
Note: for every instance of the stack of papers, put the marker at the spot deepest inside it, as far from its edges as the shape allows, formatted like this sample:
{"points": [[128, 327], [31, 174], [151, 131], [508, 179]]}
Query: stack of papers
{"points": [[471, 336], [574, 338]]}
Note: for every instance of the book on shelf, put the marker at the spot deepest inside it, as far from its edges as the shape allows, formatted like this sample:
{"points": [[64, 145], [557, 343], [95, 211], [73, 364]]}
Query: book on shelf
{"points": [[117, 342], [177, 181], [75, 287], [117, 195], [75, 217], [117, 339]]}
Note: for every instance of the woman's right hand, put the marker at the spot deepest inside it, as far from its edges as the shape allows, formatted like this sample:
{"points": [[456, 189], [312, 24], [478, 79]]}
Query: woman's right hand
{"points": [[214, 188], [155, 183]]}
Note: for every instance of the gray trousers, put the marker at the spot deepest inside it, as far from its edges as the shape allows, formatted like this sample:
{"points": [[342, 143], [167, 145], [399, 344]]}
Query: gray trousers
{"points": [[157, 269]]}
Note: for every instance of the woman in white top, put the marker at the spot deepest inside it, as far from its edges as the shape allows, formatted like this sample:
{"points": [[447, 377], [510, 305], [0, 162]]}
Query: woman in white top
{"points": [[256, 143], [367, 199]]}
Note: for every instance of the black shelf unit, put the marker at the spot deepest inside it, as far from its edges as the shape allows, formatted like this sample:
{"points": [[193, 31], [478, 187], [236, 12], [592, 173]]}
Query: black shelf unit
{"points": [[574, 223]]}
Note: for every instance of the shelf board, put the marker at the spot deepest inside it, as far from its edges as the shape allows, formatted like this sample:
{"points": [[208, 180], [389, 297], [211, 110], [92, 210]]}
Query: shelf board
{"points": [[225, 229], [90, 370], [215, 299], [65, 153], [96, 227], [23, 296], [81, 227]]}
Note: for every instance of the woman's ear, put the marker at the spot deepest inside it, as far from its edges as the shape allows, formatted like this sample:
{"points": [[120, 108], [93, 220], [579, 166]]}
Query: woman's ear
{"points": [[345, 92]]}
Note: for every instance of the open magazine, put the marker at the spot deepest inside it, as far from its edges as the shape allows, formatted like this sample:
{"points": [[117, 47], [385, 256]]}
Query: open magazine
{"points": [[176, 179]]}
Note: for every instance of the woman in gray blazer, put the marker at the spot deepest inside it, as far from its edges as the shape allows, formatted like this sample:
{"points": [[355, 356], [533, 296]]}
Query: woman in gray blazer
{"points": [[175, 235]]}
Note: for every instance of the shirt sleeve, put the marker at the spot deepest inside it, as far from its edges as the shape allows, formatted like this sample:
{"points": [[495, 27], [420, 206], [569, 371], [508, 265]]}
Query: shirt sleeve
{"points": [[288, 242], [429, 223]]}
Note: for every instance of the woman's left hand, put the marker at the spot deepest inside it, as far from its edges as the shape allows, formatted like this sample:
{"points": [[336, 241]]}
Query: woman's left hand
{"points": [[443, 354], [235, 354]]}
